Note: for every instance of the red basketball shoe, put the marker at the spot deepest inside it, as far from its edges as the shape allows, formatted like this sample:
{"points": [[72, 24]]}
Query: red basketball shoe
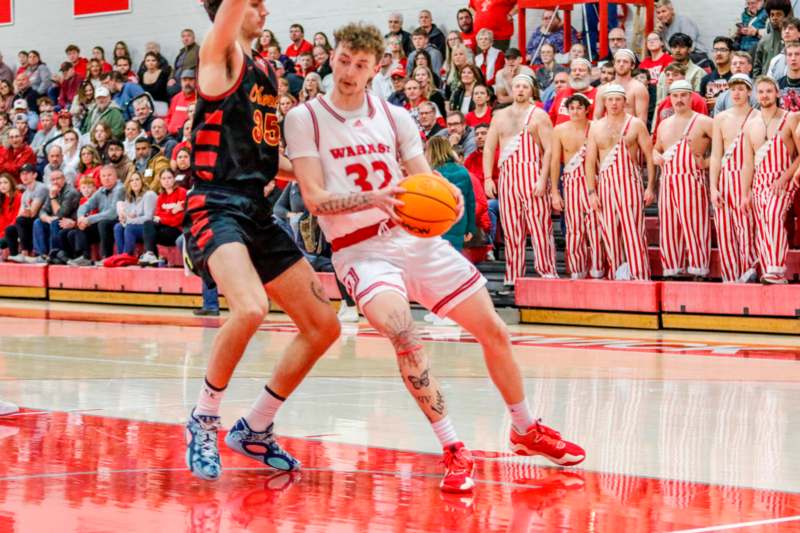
{"points": [[459, 467], [547, 442]]}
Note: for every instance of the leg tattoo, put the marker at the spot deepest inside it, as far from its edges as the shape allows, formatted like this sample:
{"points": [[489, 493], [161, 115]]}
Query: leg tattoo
{"points": [[319, 292]]}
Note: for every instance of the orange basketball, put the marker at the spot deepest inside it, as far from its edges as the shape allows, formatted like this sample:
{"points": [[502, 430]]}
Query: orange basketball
{"points": [[430, 207]]}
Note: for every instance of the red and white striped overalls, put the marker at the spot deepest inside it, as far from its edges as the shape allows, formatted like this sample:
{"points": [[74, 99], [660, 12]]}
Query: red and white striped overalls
{"points": [[584, 253], [734, 225], [685, 234], [521, 211], [770, 208], [622, 210]]}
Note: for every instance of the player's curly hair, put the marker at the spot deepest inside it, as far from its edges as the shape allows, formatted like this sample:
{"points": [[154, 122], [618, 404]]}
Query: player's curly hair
{"points": [[212, 6], [361, 37]]}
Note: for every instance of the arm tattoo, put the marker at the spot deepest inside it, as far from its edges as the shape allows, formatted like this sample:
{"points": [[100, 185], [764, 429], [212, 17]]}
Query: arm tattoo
{"points": [[401, 332], [319, 292], [345, 203]]}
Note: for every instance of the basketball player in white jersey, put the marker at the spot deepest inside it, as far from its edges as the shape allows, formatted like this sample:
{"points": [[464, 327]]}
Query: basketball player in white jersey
{"points": [[346, 148]]}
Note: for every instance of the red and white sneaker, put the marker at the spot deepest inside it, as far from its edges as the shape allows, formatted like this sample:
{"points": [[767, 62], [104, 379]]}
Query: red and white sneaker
{"points": [[459, 468], [547, 442]]}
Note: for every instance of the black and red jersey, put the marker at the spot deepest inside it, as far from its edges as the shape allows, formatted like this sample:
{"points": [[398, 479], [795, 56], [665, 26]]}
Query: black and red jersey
{"points": [[235, 135]]}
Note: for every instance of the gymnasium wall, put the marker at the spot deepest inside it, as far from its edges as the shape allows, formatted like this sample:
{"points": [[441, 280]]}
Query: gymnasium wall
{"points": [[49, 25]]}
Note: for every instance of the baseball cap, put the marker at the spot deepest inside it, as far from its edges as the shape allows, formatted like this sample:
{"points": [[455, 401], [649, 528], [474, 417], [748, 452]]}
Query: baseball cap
{"points": [[20, 104], [102, 92], [27, 167], [188, 74], [680, 86], [399, 72], [741, 78]]}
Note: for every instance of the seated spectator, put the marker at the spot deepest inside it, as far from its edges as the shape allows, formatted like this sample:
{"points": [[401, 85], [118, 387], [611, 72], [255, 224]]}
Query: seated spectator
{"points": [[579, 81], [179, 106], [482, 111], [81, 64], [82, 105], [421, 43], [474, 164], [21, 123], [133, 132], [434, 34], [669, 23], [70, 148], [99, 55], [789, 85], [167, 223], [137, 207], [22, 58], [382, 82], [512, 68], [655, 58], [462, 97], [187, 59], [160, 137], [398, 97], [398, 54], [424, 77], [115, 155], [154, 79], [5, 127], [19, 236], [31, 119], [551, 30], [99, 137], [673, 73], [38, 73], [61, 203], [772, 43], [149, 161], [305, 64], [124, 67], [64, 121], [395, 24], [489, 59], [466, 27], [322, 61], [123, 92], [186, 141], [143, 113], [104, 111], [24, 91], [98, 227], [680, 46], [94, 74], [617, 40], [183, 168], [752, 25], [497, 17], [89, 166], [423, 59], [577, 51], [428, 125], [68, 85], [16, 155], [717, 81], [741, 63], [790, 32], [460, 58], [10, 200], [546, 70], [298, 44], [439, 153], [163, 64], [560, 83], [6, 96], [312, 87], [413, 98], [459, 134], [47, 132], [55, 164]]}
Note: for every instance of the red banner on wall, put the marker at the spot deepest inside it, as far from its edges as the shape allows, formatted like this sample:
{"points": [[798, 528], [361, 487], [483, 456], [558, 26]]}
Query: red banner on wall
{"points": [[6, 12], [100, 7]]}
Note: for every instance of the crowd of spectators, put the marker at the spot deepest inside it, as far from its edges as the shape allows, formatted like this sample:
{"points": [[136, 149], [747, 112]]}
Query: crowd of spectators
{"points": [[97, 151]]}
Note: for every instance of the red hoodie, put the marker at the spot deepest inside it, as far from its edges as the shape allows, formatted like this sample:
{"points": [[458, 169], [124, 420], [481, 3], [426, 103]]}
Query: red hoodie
{"points": [[9, 209], [165, 204]]}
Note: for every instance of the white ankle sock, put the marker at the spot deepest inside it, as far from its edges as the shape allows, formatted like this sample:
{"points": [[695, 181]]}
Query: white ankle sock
{"points": [[521, 417], [445, 431], [209, 400], [263, 411]]}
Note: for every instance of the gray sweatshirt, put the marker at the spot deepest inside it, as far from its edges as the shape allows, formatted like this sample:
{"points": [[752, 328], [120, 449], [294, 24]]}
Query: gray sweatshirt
{"points": [[104, 201], [140, 210]]}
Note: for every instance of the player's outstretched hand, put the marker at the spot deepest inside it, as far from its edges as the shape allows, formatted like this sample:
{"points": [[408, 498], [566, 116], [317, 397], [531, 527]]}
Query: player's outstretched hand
{"points": [[386, 200]]}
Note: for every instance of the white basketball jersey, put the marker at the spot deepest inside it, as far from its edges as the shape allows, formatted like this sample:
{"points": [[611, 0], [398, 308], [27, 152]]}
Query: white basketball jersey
{"points": [[357, 155]]}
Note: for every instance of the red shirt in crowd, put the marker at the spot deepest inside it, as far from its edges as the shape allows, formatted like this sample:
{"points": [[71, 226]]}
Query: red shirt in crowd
{"points": [[11, 160], [469, 40], [655, 68], [9, 209], [166, 203], [81, 66], [664, 110], [68, 89], [558, 111], [293, 51], [178, 111], [474, 164], [493, 14], [473, 119], [94, 172]]}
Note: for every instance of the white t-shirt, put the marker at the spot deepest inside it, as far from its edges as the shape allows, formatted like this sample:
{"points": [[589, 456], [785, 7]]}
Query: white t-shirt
{"points": [[358, 151]]}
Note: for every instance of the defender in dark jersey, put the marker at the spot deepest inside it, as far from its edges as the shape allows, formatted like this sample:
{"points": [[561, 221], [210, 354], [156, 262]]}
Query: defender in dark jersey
{"points": [[231, 239]]}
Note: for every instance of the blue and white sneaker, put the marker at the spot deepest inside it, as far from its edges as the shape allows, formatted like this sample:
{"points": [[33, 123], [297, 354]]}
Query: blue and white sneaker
{"points": [[202, 453], [260, 446]]}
